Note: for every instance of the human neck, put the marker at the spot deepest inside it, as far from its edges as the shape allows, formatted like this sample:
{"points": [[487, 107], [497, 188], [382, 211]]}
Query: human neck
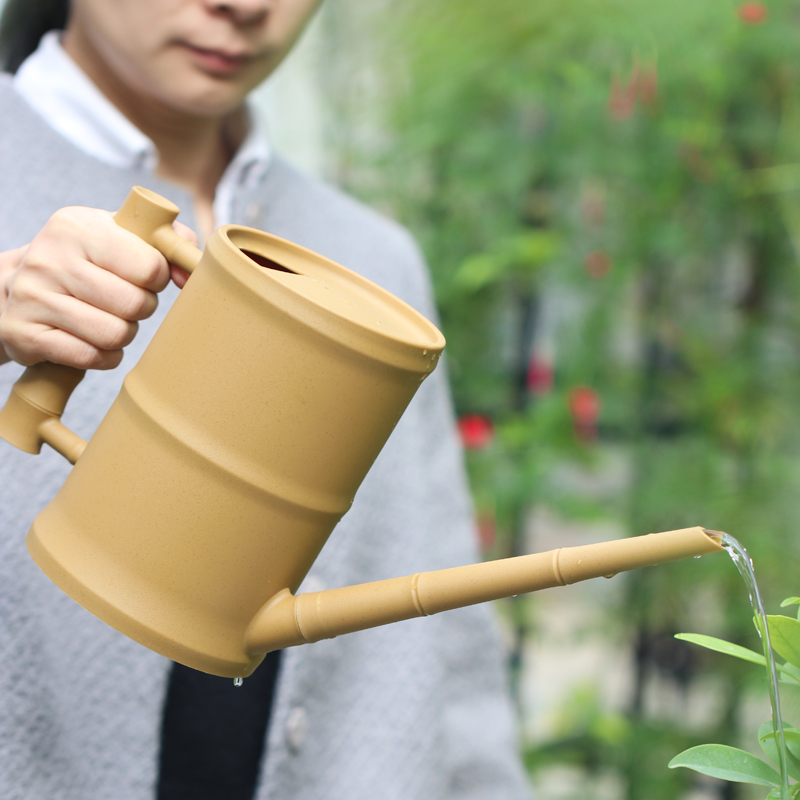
{"points": [[193, 150]]}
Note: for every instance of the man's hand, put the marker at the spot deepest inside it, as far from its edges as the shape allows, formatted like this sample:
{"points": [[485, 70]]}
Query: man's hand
{"points": [[76, 293]]}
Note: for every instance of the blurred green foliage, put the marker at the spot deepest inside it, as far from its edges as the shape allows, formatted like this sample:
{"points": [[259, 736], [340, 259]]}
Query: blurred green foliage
{"points": [[610, 189]]}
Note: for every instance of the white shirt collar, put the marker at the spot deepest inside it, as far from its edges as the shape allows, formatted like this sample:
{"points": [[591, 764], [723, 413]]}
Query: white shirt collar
{"points": [[56, 88]]}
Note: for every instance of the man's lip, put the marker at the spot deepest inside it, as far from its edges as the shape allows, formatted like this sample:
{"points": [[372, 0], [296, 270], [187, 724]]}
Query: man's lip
{"points": [[218, 60]]}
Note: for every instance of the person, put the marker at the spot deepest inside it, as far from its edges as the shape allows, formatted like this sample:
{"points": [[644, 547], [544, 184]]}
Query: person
{"points": [[153, 92]]}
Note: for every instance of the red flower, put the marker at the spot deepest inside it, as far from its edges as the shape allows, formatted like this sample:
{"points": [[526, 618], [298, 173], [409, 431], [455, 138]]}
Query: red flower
{"points": [[597, 264], [539, 378], [692, 156], [643, 84], [584, 406], [487, 531], [476, 431], [752, 13], [592, 203], [622, 98], [647, 85]]}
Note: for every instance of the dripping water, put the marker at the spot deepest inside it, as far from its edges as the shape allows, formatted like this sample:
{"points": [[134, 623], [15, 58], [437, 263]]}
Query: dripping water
{"points": [[238, 681], [744, 564]]}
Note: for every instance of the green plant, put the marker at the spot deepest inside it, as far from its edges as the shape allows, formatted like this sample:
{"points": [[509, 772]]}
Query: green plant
{"points": [[731, 763]]}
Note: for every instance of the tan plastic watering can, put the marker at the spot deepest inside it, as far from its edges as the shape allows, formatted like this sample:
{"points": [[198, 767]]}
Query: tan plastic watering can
{"points": [[235, 446]]}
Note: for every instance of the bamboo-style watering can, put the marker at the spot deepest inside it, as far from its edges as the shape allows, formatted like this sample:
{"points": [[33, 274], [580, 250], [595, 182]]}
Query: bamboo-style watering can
{"points": [[235, 446]]}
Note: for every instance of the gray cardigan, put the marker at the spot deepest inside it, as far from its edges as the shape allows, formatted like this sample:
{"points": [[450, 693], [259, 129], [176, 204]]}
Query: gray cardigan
{"points": [[413, 710]]}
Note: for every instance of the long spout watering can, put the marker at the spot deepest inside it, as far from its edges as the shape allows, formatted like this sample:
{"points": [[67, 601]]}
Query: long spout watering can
{"points": [[235, 446]]}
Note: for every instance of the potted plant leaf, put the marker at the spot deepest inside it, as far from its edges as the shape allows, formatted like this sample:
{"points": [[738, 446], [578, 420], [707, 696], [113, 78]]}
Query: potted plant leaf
{"points": [[731, 763]]}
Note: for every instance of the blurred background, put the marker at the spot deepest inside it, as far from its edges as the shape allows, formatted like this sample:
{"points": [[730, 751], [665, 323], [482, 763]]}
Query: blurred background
{"points": [[608, 195]]}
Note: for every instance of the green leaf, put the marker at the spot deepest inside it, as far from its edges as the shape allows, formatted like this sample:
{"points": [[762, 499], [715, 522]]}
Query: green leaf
{"points": [[721, 646], [791, 601], [784, 633], [790, 670], [479, 271], [534, 248], [766, 738], [527, 251], [775, 794], [792, 737], [728, 763]]}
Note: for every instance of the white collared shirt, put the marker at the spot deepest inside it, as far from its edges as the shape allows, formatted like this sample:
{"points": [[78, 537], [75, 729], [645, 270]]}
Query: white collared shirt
{"points": [[54, 86]]}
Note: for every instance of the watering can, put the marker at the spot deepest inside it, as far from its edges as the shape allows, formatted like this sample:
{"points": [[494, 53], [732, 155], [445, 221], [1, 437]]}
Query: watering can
{"points": [[235, 446]]}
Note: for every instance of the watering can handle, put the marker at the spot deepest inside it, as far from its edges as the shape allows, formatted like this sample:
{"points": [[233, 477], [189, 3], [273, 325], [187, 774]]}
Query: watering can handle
{"points": [[32, 413]]}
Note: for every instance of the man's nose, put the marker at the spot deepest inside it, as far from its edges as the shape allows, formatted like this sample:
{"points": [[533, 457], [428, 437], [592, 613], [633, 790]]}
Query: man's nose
{"points": [[242, 12]]}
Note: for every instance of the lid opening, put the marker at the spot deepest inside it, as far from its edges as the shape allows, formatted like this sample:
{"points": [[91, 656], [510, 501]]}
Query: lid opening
{"points": [[268, 263]]}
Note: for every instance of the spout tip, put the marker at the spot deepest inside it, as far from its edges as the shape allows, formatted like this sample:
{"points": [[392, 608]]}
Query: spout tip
{"points": [[715, 536]]}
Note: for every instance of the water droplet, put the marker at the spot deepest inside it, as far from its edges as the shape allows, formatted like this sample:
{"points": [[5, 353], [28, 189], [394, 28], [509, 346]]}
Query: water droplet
{"points": [[238, 681], [698, 556], [424, 352]]}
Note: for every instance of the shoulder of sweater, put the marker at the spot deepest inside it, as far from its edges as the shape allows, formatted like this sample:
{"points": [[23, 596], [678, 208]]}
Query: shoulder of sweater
{"points": [[325, 219], [23, 131], [42, 172], [330, 205]]}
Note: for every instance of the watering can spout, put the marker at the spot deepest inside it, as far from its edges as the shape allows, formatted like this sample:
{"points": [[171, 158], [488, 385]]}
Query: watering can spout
{"points": [[288, 620]]}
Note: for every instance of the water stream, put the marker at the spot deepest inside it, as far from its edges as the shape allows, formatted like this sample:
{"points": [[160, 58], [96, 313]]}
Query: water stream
{"points": [[744, 564]]}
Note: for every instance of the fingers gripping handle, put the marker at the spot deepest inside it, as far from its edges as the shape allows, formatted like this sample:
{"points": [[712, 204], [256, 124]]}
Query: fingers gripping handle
{"points": [[150, 217], [31, 416]]}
